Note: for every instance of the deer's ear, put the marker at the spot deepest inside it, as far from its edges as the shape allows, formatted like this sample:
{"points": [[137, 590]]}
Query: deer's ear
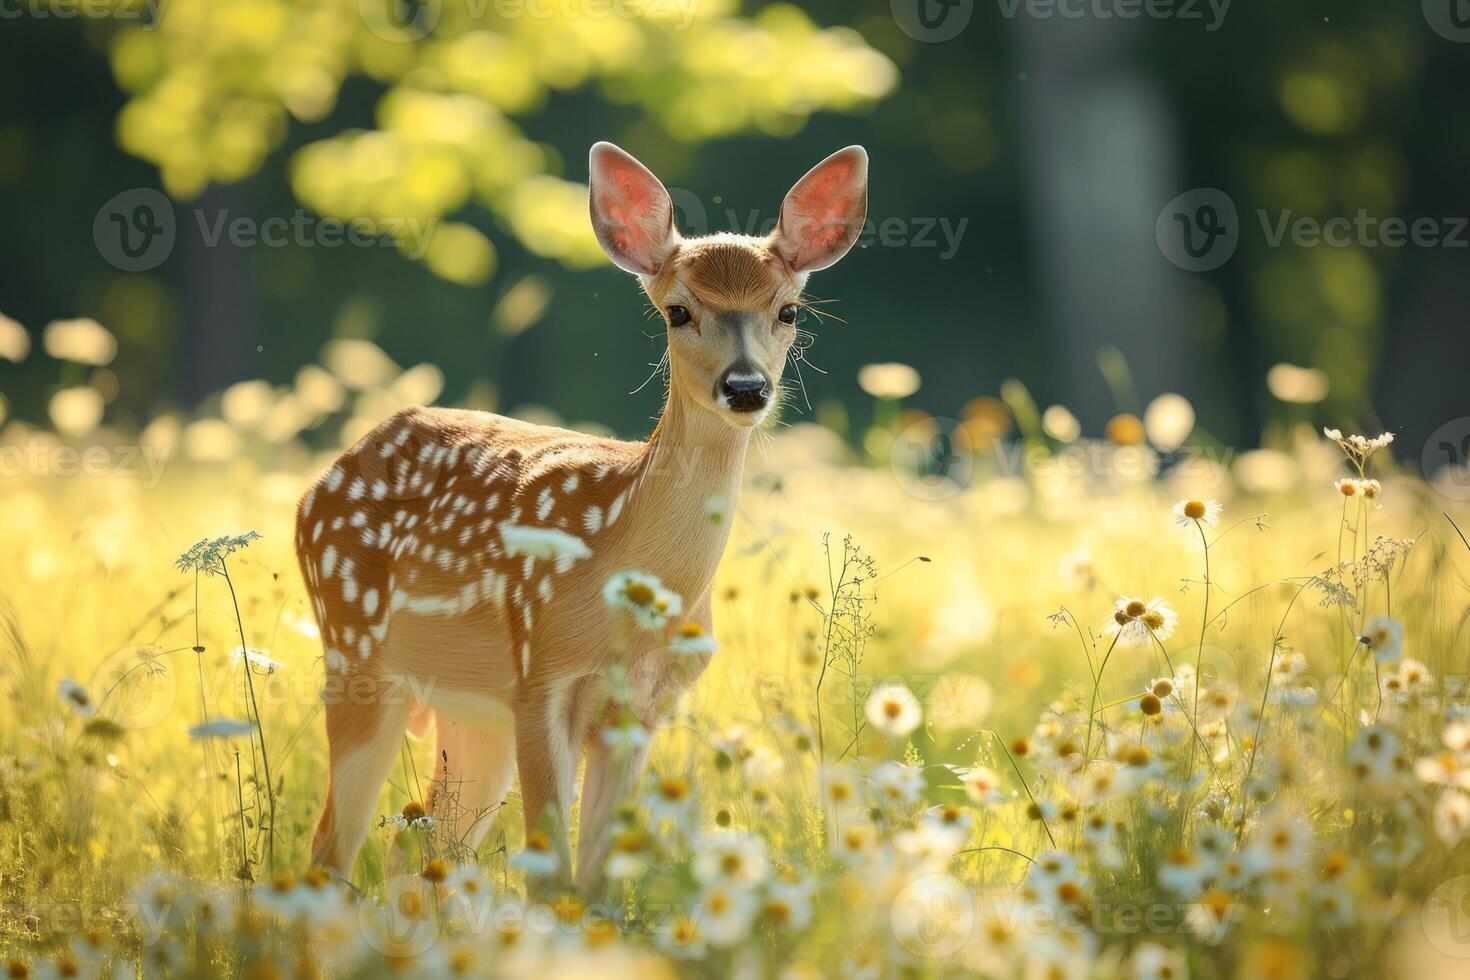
{"points": [[632, 214], [823, 214]]}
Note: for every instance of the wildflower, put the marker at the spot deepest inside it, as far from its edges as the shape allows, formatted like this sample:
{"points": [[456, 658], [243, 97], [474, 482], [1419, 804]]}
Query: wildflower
{"points": [[1278, 848], [732, 857], [535, 859], [1077, 570], [671, 799], [1155, 961], [981, 785], [1452, 817], [1211, 915], [717, 510], [1358, 449], [1187, 512], [257, 660], [75, 697], [898, 783], [683, 938], [692, 639], [855, 843], [313, 897], [630, 855], [839, 786], [726, 914], [1054, 881], [643, 597], [1353, 486], [208, 555], [789, 904], [1385, 638], [893, 710], [1409, 681], [542, 542], [627, 736], [1137, 623], [930, 841], [1378, 760], [221, 728], [1185, 873], [1332, 903], [470, 893]]}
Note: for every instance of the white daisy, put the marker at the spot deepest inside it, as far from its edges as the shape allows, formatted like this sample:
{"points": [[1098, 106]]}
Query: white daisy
{"points": [[1385, 637], [726, 914], [692, 639], [893, 710], [1135, 623], [733, 857], [542, 542], [981, 785], [643, 597], [1187, 512], [536, 858]]}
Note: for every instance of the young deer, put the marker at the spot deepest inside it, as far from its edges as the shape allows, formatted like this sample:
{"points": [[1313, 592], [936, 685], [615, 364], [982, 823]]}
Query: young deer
{"points": [[414, 551]]}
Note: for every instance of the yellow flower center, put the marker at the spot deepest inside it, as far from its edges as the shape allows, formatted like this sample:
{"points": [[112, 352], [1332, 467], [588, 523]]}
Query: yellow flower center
{"points": [[1135, 609], [639, 593], [1194, 510]]}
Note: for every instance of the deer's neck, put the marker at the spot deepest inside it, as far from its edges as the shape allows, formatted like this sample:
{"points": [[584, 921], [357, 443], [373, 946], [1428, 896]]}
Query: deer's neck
{"points": [[680, 508]]}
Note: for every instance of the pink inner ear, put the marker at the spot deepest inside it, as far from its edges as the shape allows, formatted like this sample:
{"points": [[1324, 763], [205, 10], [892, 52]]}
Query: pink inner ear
{"points": [[626, 203], [824, 202]]}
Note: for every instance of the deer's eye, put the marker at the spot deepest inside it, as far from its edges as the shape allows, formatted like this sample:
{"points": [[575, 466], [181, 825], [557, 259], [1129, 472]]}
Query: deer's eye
{"points": [[678, 316], [787, 313]]}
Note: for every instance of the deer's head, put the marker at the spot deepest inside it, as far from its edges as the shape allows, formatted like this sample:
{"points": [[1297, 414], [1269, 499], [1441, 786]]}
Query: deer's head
{"points": [[730, 301]]}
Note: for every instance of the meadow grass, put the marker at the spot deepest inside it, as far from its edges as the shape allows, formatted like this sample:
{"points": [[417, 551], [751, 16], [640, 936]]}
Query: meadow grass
{"points": [[938, 737]]}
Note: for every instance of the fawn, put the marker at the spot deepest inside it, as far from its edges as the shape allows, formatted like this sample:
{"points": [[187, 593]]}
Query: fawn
{"points": [[468, 554]]}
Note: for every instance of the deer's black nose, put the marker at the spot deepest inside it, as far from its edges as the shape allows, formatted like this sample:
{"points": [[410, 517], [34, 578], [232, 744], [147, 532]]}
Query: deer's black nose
{"points": [[744, 390]]}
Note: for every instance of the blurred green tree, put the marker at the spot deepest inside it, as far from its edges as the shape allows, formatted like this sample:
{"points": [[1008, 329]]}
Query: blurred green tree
{"points": [[214, 86]]}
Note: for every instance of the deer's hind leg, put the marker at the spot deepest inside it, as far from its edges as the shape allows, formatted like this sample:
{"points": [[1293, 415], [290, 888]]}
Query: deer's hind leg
{"points": [[473, 767], [365, 726]]}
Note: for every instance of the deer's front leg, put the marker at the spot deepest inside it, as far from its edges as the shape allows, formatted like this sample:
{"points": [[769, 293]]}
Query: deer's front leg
{"points": [[546, 757], [613, 771]]}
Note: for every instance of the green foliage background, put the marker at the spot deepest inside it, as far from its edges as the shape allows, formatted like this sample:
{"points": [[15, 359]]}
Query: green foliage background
{"points": [[256, 108]]}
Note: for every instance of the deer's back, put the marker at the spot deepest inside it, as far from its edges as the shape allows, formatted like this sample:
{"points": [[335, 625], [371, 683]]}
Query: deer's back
{"points": [[410, 525]]}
